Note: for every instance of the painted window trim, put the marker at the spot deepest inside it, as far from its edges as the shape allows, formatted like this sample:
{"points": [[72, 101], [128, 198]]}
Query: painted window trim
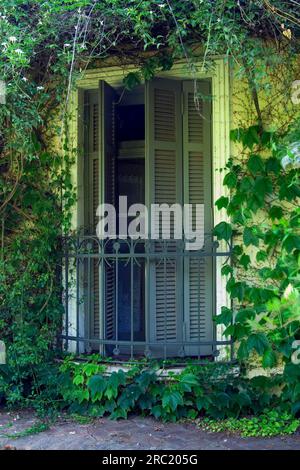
{"points": [[220, 79]]}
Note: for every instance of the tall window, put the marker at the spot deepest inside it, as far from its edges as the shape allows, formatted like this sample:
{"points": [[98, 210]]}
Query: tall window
{"points": [[153, 145]]}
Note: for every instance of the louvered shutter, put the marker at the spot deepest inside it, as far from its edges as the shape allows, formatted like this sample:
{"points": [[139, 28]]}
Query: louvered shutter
{"points": [[163, 166], [92, 198], [100, 187], [198, 277], [108, 99]]}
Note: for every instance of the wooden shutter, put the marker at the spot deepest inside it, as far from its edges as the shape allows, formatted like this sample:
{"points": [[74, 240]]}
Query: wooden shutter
{"points": [[100, 187], [198, 278], [108, 159], [163, 165], [91, 199]]}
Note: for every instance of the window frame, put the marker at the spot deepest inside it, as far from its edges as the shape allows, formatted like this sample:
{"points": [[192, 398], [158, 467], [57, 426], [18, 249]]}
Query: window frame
{"points": [[113, 75]]}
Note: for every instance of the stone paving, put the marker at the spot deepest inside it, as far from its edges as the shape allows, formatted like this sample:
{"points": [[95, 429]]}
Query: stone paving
{"points": [[134, 433]]}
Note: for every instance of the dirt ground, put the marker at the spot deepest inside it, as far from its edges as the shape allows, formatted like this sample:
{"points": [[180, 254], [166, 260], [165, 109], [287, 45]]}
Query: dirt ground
{"points": [[132, 434]]}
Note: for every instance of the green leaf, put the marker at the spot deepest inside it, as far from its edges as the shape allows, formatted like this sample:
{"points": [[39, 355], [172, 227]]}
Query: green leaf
{"points": [[291, 242], [223, 231], [244, 314], [225, 317], [237, 290], [145, 379], [131, 80], [157, 411], [255, 164], [251, 136], [262, 187], [78, 379], [90, 369], [250, 237], [118, 413], [273, 166], [237, 250], [246, 184], [236, 135], [190, 379], [171, 399], [243, 351], [230, 180], [258, 342], [269, 358], [243, 399], [261, 255], [97, 386], [222, 202], [226, 270], [244, 261], [202, 403]]}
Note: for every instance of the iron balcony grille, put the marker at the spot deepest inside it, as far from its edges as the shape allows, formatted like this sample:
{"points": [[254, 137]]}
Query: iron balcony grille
{"points": [[135, 298]]}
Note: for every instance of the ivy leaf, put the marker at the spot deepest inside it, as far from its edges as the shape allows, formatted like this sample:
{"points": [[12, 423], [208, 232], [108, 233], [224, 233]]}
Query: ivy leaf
{"points": [[273, 166], [291, 242], [246, 184], [230, 180], [249, 237], [222, 400], [258, 342], [145, 379], [223, 231], [262, 187], [251, 136], [269, 358], [225, 317], [244, 314], [237, 290], [222, 202], [237, 250], [97, 386], [157, 411], [171, 399], [203, 402], [244, 261], [131, 80], [243, 351], [261, 255], [119, 413], [243, 399], [78, 379], [237, 134], [255, 164], [90, 369], [190, 379], [226, 270]]}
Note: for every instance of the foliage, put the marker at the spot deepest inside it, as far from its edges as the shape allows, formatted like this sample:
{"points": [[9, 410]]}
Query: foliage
{"points": [[36, 428], [268, 424], [40, 61], [216, 390], [264, 210]]}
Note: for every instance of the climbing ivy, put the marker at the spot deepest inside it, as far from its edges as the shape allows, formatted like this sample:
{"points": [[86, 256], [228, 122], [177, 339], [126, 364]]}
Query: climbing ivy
{"points": [[45, 46], [264, 277]]}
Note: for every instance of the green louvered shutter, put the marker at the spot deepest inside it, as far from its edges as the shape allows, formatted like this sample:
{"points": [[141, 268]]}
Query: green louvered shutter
{"points": [[198, 272], [91, 199], [108, 99], [163, 185], [100, 187]]}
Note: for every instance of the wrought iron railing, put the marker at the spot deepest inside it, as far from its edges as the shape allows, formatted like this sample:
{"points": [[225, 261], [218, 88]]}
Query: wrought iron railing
{"points": [[133, 298]]}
